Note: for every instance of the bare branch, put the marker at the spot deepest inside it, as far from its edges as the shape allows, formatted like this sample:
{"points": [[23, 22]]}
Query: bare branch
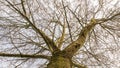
{"points": [[52, 46], [65, 12], [102, 20], [23, 7], [25, 56], [61, 39]]}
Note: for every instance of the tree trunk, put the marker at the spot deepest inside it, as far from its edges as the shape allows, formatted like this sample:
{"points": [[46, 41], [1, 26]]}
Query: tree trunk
{"points": [[60, 60]]}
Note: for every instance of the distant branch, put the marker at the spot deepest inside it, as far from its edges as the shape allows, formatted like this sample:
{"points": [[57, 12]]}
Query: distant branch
{"points": [[102, 20], [51, 44], [76, 17], [65, 12], [23, 7]]}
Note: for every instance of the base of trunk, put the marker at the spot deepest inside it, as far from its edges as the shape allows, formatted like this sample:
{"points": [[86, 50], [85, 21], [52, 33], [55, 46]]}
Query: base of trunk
{"points": [[59, 62]]}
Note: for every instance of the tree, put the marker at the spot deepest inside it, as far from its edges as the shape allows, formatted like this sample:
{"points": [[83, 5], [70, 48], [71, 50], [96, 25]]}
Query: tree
{"points": [[68, 34]]}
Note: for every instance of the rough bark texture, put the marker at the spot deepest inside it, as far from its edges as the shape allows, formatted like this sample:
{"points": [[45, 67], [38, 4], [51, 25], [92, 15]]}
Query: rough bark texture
{"points": [[60, 60]]}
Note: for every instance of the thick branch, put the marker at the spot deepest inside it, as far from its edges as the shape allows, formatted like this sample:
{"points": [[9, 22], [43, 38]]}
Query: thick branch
{"points": [[76, 45], [72, 48], [25, 56], [51, 44]]}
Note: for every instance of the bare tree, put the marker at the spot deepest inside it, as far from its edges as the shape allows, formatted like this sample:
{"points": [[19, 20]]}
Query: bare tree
{"points": [[60, 34]]}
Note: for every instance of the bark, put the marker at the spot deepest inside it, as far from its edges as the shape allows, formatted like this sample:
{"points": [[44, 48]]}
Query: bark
{"points": [[60, 60]]}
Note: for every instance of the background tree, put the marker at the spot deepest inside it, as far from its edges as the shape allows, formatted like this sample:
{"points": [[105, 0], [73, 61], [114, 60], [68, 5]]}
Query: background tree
{"points": [[45, 33]]}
